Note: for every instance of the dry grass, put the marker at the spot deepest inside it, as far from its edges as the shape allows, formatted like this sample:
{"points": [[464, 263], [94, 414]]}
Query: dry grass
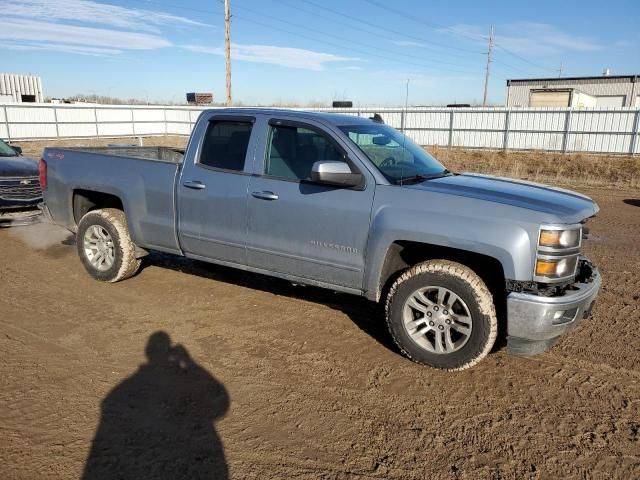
{"points": [[569, 169], [555, 168]]}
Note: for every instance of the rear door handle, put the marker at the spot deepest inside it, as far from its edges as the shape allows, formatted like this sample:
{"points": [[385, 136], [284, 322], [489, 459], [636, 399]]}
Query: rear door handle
{"points": [[195, 184], [265, 195]]}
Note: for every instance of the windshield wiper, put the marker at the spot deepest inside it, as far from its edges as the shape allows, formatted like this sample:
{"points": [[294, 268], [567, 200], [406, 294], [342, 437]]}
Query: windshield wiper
{"points": [[413, 178], [422, 178]]}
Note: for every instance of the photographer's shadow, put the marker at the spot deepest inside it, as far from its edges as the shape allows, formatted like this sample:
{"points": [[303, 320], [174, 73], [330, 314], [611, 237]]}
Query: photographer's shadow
{"points": [[158, 423]]}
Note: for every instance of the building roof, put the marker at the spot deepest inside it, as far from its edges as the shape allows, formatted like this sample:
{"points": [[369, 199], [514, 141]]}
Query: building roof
{"points": [[631, 78]]}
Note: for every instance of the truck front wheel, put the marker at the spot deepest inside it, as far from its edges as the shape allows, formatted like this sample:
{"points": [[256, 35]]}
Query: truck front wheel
{"points": [[105, 246], [440, 313]]}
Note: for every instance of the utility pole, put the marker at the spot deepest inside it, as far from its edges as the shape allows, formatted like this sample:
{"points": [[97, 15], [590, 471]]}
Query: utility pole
{"points": [[227, 42], [560, 71], [486, 78]]}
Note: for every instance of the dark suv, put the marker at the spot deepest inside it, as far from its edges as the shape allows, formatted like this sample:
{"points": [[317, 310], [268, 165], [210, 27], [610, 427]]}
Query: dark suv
{"points": [[20, 192]]}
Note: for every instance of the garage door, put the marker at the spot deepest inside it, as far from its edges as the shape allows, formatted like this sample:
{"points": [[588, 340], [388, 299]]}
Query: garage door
{"points": [[610, 101], [550, 98]]}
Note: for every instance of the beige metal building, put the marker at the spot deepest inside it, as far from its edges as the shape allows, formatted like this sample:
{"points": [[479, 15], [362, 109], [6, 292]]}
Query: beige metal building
{"points": [[604, 91], [20, 88]]}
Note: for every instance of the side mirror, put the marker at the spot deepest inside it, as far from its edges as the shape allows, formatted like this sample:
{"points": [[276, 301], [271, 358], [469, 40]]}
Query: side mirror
{"points": [[16, 149], [336, 173]]}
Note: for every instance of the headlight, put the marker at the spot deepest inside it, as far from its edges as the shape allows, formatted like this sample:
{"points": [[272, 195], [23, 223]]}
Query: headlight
{"points": [[553, 268], [560, 239], [557, 252]]}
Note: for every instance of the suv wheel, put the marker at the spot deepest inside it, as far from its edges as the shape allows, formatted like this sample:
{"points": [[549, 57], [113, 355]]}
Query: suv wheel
{"points": [[440, 313], [105, 246]]}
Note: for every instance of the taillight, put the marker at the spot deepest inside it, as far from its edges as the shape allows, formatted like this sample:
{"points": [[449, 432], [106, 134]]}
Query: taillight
{"points": [[42, 171]]}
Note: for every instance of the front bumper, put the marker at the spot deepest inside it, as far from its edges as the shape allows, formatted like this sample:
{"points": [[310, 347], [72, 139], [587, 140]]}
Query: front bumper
{"points": [[19, 203], [18, 218], [535, 322]]}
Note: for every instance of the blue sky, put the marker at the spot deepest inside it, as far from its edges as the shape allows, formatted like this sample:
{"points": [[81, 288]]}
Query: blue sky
{"points": [[313, 50]]}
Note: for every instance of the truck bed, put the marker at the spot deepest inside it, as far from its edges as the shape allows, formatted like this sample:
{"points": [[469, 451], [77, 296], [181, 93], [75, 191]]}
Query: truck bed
{"points": [[141, 178], [158, 154]]}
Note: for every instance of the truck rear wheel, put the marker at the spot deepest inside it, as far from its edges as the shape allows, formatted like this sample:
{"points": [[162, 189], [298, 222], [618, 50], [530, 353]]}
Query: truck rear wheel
{"points": [[440, 313], [105, 246]]}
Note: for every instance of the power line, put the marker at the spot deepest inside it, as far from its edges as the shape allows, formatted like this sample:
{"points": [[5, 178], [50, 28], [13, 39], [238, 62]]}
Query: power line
{"points": [[382, 27], [355, 27], [377, 31], [421, 20], [508, 65], [377, 27], [350, 25], [349, 49], [323, 40], [365, 45], [520, 57], [176, 6]]}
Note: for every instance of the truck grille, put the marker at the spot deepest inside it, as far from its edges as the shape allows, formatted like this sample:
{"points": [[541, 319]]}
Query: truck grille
{"points": [[20, 188]]}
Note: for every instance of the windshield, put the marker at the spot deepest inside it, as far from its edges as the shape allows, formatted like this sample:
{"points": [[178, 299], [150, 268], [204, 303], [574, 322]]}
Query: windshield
{"points": [[397, 157], [6, 150]]}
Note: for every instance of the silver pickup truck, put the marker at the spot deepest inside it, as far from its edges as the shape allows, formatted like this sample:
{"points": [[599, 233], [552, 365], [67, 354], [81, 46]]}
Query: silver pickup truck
{"points": [[345, 203]]}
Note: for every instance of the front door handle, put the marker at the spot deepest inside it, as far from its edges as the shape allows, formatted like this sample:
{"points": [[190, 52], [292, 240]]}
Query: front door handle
{"points": [[195, 184], [265, 195]]}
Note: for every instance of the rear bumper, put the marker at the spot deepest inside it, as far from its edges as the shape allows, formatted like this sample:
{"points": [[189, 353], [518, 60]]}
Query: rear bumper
{"points": [[535, 322], [45, 212]]}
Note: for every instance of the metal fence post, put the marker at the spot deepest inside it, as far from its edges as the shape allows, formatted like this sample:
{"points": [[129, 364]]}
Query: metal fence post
{"points": [[95, 118], [133, 124], [55, 119], [505, 140], [635, 133], [6, 122], [164, 112], [451, 128], [567, 124]]}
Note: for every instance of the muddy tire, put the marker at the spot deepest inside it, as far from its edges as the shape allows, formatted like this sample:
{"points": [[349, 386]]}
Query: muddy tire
{"points": [[441, 314], [105, 247]]}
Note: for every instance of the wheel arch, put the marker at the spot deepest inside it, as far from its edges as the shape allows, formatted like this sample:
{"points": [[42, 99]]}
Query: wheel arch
{"points": [[403, 254], [84, 201]]}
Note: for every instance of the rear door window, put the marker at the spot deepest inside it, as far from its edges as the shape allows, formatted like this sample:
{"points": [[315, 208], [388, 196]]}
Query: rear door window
{"points": [[225, 145]]}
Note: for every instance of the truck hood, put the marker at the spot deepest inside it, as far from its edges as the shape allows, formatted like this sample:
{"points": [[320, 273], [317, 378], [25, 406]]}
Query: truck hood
{"points": [[566, 204], [18, 167]]}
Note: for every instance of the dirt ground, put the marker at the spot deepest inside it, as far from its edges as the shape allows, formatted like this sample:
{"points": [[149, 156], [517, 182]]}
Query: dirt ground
{"points": [[267, 380]]}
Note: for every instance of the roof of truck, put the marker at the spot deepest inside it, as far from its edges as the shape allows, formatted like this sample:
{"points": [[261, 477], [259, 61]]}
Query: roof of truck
{"points": [[329, 117]]}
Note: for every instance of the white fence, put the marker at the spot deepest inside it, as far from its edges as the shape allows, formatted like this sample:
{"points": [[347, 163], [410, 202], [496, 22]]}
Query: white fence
{"points": [[565, 130]]}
